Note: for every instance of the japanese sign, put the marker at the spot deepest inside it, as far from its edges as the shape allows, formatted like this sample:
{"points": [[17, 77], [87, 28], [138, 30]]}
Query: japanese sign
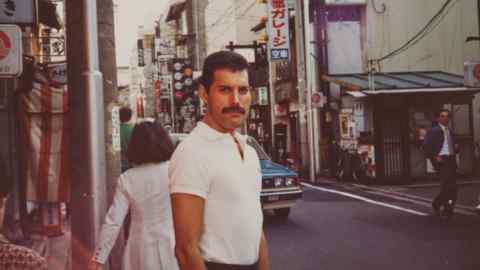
{"points": [[57, 72], [11, 64], [318, 100], [262, 96], [278, 30], [17, 11], [141, 56], [116, 145]]}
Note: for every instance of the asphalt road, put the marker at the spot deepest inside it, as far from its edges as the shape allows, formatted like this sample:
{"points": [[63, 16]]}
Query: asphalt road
{"points": [[328, 231]]}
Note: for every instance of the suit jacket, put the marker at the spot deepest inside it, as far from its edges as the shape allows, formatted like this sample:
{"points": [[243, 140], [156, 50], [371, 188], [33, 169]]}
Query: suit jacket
{"points": [[150, 246], [433, 142]]}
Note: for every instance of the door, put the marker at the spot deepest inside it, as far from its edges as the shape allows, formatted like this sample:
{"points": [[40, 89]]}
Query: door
{"points": [[394, 142]]}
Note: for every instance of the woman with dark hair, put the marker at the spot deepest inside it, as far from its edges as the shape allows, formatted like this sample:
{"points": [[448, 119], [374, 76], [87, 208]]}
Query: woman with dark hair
{"points": [[143, 190]]}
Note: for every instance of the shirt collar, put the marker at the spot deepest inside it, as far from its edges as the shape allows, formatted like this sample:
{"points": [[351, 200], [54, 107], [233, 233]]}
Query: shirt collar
{"points": [[211, 134], [442, 126]]}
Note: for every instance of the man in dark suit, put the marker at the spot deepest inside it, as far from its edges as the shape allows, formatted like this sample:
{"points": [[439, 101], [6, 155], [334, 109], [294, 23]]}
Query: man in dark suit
{"points": [[439, 148]]}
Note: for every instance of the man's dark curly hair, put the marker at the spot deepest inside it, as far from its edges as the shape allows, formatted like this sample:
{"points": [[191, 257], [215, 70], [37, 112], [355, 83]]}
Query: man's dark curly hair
{"points": [[221, 60]]}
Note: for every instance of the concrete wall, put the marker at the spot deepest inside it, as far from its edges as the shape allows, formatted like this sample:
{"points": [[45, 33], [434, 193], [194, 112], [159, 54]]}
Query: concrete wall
{"points": [[443, 49], [230, 20]]}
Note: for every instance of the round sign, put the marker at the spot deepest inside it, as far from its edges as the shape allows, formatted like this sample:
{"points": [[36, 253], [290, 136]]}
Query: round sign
{"points": [[5, 45], [188, 81], [178, 86], [188, 72], [177, 76], [178, 95], [177, 66], [476, 72]]}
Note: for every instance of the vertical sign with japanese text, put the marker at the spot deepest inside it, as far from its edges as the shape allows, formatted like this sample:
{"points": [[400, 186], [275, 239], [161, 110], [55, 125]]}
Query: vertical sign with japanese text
{"points": [[116, 144], [141, 55], [278, 30]]}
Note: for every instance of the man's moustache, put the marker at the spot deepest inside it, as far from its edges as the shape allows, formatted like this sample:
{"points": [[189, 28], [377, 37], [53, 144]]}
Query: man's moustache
{"points": [[233, 110]]}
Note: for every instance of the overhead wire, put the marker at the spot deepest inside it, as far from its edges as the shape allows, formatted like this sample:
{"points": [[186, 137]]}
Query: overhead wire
{"points": [[428, 28]]}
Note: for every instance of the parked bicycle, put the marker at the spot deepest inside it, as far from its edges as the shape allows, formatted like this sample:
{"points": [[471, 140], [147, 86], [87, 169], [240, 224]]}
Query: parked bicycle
{"points": [[352, 166]]}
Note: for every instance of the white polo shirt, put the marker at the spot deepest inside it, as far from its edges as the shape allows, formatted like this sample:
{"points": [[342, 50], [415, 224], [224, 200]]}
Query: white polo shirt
{"points": [[208, 164]]}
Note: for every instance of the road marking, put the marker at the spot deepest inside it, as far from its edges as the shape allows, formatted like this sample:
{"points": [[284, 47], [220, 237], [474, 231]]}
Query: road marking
{"points": [[464, 209], [421, 201], [366, 200], [438, 184]]}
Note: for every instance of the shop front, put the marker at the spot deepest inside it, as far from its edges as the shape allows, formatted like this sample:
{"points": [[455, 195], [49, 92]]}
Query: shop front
{"points": [[384, 118]]}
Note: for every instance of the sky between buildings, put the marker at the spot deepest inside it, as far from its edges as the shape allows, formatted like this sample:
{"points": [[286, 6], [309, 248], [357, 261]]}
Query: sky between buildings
{"points": [[129, 14]]}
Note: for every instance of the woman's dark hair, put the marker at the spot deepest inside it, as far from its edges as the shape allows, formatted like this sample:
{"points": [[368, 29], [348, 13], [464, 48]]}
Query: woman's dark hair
{"points": [[221, 60], [149, 143], [125, 114]]}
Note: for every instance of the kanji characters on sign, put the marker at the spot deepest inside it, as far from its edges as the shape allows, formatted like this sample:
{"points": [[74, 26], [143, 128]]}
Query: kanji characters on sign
{"points": [[279, 42]]}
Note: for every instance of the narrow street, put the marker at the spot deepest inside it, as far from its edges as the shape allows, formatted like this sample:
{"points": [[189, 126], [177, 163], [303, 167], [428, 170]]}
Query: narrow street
{"points": [[332, 231]]}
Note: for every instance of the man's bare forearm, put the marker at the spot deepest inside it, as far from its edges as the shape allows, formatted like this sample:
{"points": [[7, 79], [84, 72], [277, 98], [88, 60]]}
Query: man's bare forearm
{"points": [[189, 258], [263, 258]]}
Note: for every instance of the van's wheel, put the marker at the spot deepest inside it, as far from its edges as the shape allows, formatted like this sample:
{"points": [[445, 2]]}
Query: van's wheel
{"points": [[282, 213]]}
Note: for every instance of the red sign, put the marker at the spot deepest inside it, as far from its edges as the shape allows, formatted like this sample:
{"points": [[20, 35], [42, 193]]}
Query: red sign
{"points": [[158, 85], [476, 72], [5, 45], [178, 95]]}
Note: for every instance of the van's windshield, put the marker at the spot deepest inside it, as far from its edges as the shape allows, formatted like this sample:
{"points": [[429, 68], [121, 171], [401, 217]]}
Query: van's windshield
{"points": [[261, 153]]}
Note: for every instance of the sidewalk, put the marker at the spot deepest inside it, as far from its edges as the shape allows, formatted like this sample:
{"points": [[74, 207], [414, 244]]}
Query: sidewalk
{"points": [[468, 190]]}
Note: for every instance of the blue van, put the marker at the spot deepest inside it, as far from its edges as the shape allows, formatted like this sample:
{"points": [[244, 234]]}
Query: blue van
{"points": [[280, 185]]}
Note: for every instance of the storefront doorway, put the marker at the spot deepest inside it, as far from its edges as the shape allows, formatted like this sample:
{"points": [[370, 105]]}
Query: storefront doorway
{"points": [[393, 141]]}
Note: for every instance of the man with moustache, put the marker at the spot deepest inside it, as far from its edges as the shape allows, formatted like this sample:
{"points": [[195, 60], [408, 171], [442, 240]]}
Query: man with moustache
{"points": [[215, 178]]}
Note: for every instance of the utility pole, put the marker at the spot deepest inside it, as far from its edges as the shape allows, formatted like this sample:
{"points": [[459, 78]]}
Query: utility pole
{"points": [[306, 130], [88, 202], [108, 67]]}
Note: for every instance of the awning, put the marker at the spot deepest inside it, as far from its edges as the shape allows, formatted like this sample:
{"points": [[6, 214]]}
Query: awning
{"points": [[47, 14], [400, 83], [174, 10]]}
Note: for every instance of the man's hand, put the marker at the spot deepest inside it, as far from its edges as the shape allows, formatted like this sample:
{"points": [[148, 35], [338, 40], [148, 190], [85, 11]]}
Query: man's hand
{"points": [[438, 158], [263, 258], [188, 220], [93, 265]]}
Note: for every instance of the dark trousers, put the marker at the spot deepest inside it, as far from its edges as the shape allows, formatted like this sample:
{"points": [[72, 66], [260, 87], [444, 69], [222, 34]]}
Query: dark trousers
{"points": [[448, 187], [221, 266]]}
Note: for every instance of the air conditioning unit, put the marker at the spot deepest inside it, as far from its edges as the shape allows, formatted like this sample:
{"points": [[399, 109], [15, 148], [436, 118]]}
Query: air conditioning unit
{"points": [[472, 73], [345, 2]]}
